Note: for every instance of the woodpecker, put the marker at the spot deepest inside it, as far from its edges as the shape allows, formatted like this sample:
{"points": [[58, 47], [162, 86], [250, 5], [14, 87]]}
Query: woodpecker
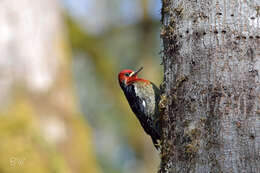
{"points": [[143, 97]]}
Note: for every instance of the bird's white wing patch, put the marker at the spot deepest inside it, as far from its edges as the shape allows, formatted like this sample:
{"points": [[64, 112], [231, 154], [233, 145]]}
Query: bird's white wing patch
{"points": [[144, 104]]}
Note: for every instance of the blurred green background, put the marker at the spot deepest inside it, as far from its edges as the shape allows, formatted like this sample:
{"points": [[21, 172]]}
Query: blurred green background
{"points": [[61, 108]]}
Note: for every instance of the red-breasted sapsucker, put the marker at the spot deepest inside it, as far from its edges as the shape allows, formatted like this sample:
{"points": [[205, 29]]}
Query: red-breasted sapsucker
{"points": [[143, 97]]}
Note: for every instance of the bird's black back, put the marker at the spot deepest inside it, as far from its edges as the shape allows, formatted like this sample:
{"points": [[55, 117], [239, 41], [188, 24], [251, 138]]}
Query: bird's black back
{"points": [[143, 100]]}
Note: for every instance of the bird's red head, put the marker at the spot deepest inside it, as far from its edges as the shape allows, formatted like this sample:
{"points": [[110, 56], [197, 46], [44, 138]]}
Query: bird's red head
{"points": [[128, 76]]}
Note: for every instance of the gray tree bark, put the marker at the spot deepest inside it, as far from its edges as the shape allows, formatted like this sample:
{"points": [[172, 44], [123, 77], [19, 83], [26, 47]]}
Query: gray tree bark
{"points": [[211, 57]]}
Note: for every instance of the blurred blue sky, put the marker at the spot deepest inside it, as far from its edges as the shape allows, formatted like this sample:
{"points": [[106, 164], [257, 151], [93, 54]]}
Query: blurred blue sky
{"points": [[98, 15]]}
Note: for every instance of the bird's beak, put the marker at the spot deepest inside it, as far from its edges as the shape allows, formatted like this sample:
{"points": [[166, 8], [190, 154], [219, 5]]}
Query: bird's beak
{"points": [[135, 72]]}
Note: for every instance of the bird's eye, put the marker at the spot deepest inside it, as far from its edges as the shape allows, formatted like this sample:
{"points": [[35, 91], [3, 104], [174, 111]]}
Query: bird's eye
{"points": [[127, 74]]}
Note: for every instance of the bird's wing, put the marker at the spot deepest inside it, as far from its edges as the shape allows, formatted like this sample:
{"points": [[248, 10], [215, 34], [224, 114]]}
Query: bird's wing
{"points": [[143, 105]]}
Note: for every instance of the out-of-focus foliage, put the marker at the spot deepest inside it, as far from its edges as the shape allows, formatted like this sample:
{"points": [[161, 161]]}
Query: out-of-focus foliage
{"points": [[41, 127], [22, 149]]}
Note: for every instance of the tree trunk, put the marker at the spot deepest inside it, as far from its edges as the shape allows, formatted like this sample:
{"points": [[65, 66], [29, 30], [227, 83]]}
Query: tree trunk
{"points": [[211, 57]]}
